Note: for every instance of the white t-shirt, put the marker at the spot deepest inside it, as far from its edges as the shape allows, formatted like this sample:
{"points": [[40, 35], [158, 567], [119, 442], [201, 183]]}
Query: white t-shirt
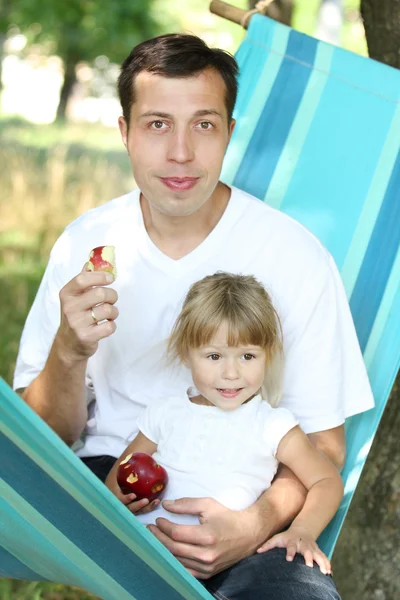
{"points": [[325, 378], [212, 453]]}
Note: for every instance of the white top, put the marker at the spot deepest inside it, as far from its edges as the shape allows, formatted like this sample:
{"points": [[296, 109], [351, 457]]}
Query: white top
{"points": [[325, 377], [212, 453]]}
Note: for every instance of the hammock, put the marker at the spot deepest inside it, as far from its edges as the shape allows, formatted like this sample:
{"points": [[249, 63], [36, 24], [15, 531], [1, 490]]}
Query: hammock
{"points": [[318, 136]]}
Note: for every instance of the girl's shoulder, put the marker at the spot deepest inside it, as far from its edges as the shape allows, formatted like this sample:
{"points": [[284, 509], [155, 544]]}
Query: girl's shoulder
{"points": [[275, 423], [278, 413]]}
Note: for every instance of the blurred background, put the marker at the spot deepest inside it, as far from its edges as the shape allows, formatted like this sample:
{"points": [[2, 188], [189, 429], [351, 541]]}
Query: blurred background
{"points": [[61, 154]]}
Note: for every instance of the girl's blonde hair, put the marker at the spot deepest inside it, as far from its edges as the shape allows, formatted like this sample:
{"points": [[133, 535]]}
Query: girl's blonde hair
{"points": [[244, 304]]}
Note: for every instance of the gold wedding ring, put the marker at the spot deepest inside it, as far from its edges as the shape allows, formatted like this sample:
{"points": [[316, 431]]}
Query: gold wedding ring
{"points": [[95, 319]]}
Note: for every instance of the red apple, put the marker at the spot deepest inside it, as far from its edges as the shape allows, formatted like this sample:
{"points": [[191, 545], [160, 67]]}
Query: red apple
{"points": [[102, 258], [139, 474]]}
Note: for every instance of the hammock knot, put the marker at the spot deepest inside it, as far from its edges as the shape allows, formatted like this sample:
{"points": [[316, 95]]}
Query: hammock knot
{"points": [[261, 7]]}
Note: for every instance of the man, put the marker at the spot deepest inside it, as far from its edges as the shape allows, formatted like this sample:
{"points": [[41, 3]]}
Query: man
{"points": [[82, 373]]}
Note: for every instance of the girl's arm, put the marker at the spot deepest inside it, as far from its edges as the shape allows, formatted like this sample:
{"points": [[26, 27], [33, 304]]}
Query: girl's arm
{"points": [[325, 492], [140, 444]]}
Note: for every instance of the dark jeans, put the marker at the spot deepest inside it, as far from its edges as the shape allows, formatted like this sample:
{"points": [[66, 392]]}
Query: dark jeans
{"points": [[267, 576], [100, 465]]}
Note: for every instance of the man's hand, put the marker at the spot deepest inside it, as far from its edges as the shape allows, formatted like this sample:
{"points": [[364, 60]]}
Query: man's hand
{"points": [[87, 314], [222, 539]]}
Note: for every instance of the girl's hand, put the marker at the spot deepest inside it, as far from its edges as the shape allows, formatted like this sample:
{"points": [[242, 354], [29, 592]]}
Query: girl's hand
{"points": [[298, 540], [135, 506]]}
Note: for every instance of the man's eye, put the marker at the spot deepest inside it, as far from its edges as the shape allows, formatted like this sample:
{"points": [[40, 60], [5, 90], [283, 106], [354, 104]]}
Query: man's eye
{"points": [[213, 356], [206, 125], [157, 124], [248, 356]]}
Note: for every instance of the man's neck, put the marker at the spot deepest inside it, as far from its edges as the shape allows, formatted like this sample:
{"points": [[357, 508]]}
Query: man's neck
{"points": [[178, 236]]}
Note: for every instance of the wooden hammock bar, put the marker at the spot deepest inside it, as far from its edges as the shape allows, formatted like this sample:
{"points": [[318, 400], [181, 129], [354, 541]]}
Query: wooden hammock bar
{"points": [[226, 11], [240, 16]]}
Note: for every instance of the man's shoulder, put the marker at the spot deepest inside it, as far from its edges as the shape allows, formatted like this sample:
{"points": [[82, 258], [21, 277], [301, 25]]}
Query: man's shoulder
{"points": [[278, 229], [105, 214]]}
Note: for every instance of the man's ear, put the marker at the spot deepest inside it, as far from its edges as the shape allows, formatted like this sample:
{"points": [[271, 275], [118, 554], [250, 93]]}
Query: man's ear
{"points": [[123, 128], [231, 128]]}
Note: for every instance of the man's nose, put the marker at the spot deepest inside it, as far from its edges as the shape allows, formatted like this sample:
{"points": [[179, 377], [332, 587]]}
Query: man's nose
{"points": [[180, 147]]}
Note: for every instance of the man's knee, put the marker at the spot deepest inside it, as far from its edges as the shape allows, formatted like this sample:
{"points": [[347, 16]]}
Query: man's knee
{"points": [[269, 576]]}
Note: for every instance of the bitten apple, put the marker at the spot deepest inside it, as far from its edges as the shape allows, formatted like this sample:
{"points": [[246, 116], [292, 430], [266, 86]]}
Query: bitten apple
{"points": [[102, 258], [140, 474]]}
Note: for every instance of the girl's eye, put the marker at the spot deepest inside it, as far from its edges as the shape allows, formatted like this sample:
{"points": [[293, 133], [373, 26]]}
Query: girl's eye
{"points": [[213, 356], [248, 356]]}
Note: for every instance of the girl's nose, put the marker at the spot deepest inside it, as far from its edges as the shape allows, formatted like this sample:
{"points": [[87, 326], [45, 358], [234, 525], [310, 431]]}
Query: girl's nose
{"points": [[230, 370]]}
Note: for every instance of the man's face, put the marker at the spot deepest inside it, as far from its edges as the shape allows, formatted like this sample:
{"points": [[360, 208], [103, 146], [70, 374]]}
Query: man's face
{"points": [[177, 138]]}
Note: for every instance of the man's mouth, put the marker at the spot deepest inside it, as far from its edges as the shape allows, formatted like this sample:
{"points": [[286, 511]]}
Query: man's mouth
{"points": [[180, 183]]}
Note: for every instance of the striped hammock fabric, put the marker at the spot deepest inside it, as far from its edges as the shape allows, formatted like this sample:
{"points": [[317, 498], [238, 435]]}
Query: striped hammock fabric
{"points": [[318, 136]]}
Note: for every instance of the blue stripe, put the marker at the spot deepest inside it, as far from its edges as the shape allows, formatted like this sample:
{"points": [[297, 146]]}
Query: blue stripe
{"points": [[12, 567], [263, 152], [76, 523], [378, 261]]}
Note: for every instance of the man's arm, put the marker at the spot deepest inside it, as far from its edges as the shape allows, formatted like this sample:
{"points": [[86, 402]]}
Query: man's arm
{"points": [[58, 394], [332, 443], [224, 536]]}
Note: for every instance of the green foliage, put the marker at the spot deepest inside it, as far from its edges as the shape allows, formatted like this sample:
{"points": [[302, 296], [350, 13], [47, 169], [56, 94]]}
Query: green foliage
{"points": [[84, 29], [24, 590]]}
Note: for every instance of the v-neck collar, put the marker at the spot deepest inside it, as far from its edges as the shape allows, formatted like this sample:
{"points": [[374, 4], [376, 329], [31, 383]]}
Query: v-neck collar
{"points": [[178, 267]]}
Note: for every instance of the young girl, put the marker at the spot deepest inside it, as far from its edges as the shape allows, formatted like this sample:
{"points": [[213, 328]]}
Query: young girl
{"points": [[225, 437]]}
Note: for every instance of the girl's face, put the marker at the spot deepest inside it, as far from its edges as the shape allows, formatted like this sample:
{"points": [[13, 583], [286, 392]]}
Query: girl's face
{"points": [[226, 376]]}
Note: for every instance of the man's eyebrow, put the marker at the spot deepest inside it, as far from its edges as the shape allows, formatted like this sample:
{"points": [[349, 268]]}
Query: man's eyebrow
{"points": [[199, 113]]}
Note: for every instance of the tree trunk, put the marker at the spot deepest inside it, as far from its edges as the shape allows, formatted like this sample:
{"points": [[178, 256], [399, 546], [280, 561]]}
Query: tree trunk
{"points": [[66, 90], [280, 10], [367, 556], [382, 29]]}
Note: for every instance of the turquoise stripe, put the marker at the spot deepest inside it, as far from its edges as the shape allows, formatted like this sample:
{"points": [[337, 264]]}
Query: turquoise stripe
{"points": [[378, 261], [247, 121], [301, 124], [262, 155], [372, 204], [251, 58], [10, 566], [337, 163], [384, 314], [367, 75], [46, 551]]}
